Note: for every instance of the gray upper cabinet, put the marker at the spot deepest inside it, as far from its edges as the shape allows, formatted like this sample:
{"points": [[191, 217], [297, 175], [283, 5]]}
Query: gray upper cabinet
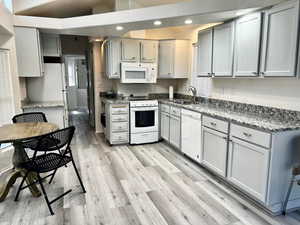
{"points": [[204, 64], [149, 51], [113, 58], [247, 45], [279, 47], [29, 54], [51, 45], [223, 38], [130, 50]]}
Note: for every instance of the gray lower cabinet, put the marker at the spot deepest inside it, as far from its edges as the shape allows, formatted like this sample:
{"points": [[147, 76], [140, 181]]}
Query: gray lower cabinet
{"points": [[248, 167], [164, 125], [117, 123], [175, 131], [214, 150]]}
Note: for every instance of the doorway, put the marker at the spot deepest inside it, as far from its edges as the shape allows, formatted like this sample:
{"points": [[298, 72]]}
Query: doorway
{"points": [[76, 84]]}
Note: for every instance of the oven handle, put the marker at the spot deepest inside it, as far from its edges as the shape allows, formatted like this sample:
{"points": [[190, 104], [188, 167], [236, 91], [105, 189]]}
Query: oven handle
{"points": [[144, 109]]}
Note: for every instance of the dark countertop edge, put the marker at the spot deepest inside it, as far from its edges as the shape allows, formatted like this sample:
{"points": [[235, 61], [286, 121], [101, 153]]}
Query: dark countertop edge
{"points": [[251, 125]]}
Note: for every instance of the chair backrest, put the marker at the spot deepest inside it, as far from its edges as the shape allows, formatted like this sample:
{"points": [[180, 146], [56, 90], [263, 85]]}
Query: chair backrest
{"points": [[55, 140], [29, 117]]}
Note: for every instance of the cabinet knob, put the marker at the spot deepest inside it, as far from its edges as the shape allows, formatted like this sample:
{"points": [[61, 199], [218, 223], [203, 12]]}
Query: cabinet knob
{"points": [[255, 73], [262, 73], [213, 124], [208, 73], [247, 134]]}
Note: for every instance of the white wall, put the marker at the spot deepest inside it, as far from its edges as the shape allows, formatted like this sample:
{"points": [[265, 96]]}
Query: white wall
{"points": [[8, 42]]}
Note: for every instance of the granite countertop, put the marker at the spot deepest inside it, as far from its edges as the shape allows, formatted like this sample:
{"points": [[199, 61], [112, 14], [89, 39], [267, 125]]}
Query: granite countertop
{"points": [[256, 121], [46, 104], [115, 100]]}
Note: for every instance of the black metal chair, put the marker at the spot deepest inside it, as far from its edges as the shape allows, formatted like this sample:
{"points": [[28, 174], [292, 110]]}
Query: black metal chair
{"points": [[50, 161], [30, 117]]}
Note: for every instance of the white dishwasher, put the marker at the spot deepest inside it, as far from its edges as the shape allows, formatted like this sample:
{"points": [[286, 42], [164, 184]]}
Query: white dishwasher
{"points": [[191, 134]]}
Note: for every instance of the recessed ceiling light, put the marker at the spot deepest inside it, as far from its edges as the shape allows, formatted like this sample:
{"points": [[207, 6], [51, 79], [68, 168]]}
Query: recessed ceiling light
{"points": [[157, 23], [119, 28], [188, 21]]}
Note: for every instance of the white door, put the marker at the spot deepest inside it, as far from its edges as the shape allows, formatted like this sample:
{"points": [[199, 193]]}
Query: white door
{"points": [[223, 49], [7, 109], [130, 50], [247, 45], [175, 131], [149, 51], [214, 150], [165, 125], [166, 59], [204, 66], [191, 134], [113, 58], [279, 46], [248, 167]]}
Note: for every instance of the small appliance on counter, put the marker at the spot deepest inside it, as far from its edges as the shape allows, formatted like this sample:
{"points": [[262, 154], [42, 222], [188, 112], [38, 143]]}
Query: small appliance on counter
{"points": [[143, 121]]}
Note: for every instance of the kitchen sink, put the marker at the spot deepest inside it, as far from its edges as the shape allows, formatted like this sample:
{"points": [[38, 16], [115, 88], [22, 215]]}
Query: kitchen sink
{"points": [[183, 101]]}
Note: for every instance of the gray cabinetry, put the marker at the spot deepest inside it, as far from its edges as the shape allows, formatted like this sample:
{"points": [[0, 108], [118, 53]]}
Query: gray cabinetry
{"points": [[29, 54], [247, 45], [280, 40]]}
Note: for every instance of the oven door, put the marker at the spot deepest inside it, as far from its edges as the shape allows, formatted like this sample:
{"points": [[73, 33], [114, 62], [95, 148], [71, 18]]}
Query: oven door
{"points": [[144, 119], [134, 74]]}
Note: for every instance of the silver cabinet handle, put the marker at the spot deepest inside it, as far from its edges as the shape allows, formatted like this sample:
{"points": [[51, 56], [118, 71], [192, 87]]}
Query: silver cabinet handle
{"points": [[247, 134], [262, 73], [208, 73], [255, 73], [213, 124]]}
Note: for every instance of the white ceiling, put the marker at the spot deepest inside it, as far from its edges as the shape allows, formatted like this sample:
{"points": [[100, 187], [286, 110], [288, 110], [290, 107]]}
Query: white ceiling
{"points": [[71, 8]]}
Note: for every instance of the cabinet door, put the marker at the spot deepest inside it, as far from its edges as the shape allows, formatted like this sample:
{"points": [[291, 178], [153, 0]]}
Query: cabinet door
{"points": [[165, 126], [248, 167], [175, 131], [149, 51], [29, 55], [130, 50], [191, 136], [223, 49], [247, 45], [51, 45], [166, 59], [204, 64], [113, 59], [279, 47], [214, 150]]}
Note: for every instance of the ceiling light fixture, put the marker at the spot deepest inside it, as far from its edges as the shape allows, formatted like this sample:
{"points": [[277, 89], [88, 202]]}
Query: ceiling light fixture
{"points": [[119, 28], [188, 21], [157, 23]]}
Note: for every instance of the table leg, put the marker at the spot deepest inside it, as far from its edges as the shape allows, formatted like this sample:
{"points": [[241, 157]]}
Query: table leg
{"points": [[11, 176]]}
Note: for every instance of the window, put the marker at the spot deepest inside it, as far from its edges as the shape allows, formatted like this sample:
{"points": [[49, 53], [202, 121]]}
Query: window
{"points": [[8, 4]]}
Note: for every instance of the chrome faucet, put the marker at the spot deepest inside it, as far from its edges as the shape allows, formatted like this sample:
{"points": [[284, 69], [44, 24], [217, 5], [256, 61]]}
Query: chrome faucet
{"points": [[194, 92]]}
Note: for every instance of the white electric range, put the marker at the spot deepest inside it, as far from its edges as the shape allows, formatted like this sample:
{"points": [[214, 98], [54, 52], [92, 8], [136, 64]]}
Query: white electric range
{"points": [[143, 121]]}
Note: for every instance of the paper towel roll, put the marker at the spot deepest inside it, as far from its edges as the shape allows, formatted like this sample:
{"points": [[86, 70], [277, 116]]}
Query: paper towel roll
{"points": [[171, 93]]}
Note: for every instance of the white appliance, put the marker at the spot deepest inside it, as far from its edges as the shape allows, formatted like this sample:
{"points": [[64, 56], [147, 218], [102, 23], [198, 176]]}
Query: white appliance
{"points": [[143, 121], [138, 73]]}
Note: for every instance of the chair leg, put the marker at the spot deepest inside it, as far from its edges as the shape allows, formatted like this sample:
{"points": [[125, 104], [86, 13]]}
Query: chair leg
{"points": [[45, 194], [21, 185], [288, 195], [77, 173], [51, 179]]}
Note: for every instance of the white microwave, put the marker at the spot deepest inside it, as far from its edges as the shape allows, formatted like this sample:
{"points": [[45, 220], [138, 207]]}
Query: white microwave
{"points": [[138, 73]]}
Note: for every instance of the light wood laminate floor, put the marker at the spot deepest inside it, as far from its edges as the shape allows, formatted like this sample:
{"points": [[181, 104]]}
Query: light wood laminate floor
{"points": [[145, 184]]}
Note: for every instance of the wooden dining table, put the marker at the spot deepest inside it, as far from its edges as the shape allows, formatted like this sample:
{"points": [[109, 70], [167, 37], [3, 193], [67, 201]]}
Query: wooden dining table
{"points": [[17, 134]]}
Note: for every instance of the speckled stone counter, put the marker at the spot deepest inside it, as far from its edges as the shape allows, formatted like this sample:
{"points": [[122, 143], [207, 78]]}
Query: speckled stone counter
{"points": [[114, 100], [48, 104], [274, 122]]}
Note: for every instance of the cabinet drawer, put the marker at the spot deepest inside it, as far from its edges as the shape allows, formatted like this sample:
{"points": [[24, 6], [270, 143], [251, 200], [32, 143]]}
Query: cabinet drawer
{"points": [[119, 118], [119, 127], [251, 135], [119, 110], [119, 137], [165, 108], [175, 111], [216, 124]]}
